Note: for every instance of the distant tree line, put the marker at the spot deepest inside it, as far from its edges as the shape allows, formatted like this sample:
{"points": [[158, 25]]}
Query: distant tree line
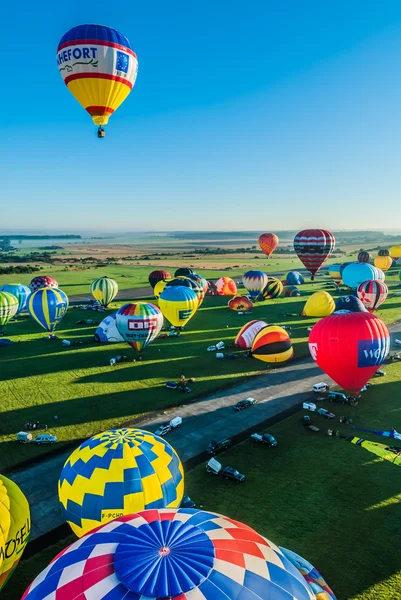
{"points": [[18, 269]]}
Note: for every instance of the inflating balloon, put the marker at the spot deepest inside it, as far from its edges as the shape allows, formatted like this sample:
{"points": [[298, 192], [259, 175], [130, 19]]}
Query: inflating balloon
{"points": [[247, 333], [383, 262], [183, 272], [99, 68], [372, 294], [202, 283], [159, 287], [178, 304], [320, 304], [104, 290], [20, 291], [312, 576], [313, 247], [294, 278], [184, 554], [226, 286], [254, 282], [15, 525], [268, 242], [272, 289], [384, 253], [395, 252], [344, 265], [107, 331], [356, 273], [181, 280], [364, 256], [272, 345], [116, 473], [8, 308], [290, 291], [350, 347], [43, 281], [240, 303], [351, 303], [48, 307], [335, 273], [139, 324], [156, 276]]}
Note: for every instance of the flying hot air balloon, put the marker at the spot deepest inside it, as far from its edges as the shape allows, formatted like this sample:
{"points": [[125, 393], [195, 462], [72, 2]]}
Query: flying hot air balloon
{"points": [[43, 281], [268, 242], [48, 306], [8, 308], [349, 347], [156, 276], [178, 304], [383, 262], [272, 345], [314, 247], [254, 282], [99, 68], [20, 291], [273, 289], [364, 257], [372, 294], [15, 526], [139, 324], [116, 473], [226, 286], [247, 333], [104, 290]]}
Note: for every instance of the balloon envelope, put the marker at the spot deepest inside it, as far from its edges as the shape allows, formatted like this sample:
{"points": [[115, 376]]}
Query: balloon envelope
{"points": [[335, 273], [226, 286], [239, 303], [156, 276], [395, 252], [372, 293], [183, 272], [107, 330], [294, 278], [351, 303], [290, 291], [364, 256], [8, 307], [349, 347], [320, 304], [247, 333], [383, 262], [313, 247], [104, 290], [268, 242], [20, 291], [272, 344], [356, 273], [43, 281], [48, 307], [178, 304], [119, 472], [139, 324], [159, 287], [312, 576], [272, 289], [254, 282]]}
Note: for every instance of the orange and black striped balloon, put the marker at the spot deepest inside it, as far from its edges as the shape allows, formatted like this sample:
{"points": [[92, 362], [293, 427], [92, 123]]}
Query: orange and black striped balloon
{"points": [[272, 345]]}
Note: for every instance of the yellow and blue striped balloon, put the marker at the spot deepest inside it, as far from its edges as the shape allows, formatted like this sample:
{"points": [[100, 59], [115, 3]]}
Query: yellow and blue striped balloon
{"points": [[104, 290], [47, 306], [119, 472], [8, 307], [20, 291]]}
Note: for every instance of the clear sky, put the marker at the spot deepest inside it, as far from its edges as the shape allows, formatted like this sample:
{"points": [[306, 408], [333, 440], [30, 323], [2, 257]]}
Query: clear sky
{"points": [[245, 115]]}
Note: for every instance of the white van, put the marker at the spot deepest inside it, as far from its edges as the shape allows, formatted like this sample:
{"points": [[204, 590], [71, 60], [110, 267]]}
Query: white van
{"points": [[320, 387], [309, 406], [176, 422]]}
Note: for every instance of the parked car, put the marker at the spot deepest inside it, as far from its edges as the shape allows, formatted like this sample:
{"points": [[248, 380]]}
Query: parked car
{"points": [[337, 397], [320, 387], [233, 474], [379, 373], [244, 404], [266, 438], [219, 445], [325, 413], [165, 428], [186, 502], [45, 438]]}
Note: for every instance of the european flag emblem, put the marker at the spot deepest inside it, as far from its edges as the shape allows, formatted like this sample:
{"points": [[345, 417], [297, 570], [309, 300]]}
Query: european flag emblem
{"points": [[122, 62]]}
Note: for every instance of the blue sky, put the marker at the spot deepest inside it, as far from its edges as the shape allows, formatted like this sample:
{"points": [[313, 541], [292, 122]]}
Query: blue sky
{"points": [[272, 115]]}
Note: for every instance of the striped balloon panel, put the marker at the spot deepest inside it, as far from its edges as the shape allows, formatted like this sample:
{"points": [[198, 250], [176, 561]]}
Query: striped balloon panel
{"points": [[104, 290]]}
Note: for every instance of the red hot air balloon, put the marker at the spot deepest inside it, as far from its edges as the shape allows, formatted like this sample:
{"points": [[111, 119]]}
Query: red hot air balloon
{"points": [[268, 242], [313, 247], [156, 276], [372, 293], [349, 347]]}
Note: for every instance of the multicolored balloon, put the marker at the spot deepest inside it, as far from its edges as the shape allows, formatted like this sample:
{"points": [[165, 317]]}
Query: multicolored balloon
{"points": [[15, 526], [320, 304], [247, 333], [183, 554], [99, 68], [178, 305], [20, 291], [313, 247], [48, 307], [272, 289], [356, 273], [364, 256], [272, 345], [254, 282], [383, 262], [335, 273], [240, 303], [156, 276], [8, 308], [226, 286], [43, 281], [290, 291], [202, 282], [268, 242], [312, 576], [104, 290], [119, 472], [107, 331], [349, 303], [139, 324], [350, 347], [372, 294]]}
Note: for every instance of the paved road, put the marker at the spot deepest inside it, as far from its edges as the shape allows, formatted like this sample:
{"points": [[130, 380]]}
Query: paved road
{"points": [[206, 419]]}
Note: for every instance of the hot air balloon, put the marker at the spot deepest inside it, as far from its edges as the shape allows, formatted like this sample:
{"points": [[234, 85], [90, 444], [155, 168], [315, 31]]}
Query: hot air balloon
{"points": [[183, 272], [344, 265], [335, 273], [48, 306], [20, 291], [202, 282], [356, 273], [99, 68], [268, 242], [364, 256], [254, 282], [294, 278], [349, 347], [349, 303], [272, 289], [178, 305], [240, 303], [104, 290], [290, 291], [226, 286], [116, 473], [43, 281], [313, 247], [159, 287], [15, 525], [320, 304], [156, 276], [247, 333], [312, 576], [8, 308], [107, 331], [182, 554], [272, 344], [372, 294], [139, 324], [179, 281], [384, 252], [190, 282], [395, 252], [383, 262]]}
